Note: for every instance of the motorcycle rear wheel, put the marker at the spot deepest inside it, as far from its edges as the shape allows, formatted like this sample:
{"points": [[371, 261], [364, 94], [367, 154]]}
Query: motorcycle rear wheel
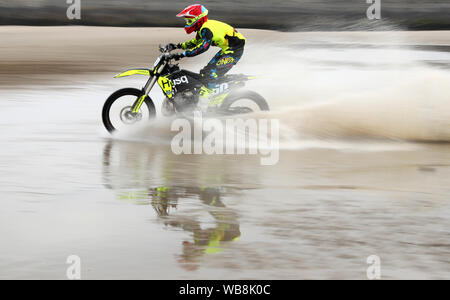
{"points": [[233, 98]]}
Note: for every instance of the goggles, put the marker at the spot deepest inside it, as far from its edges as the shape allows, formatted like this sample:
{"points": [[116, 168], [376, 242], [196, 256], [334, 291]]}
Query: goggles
{"points": [[190, 21]]}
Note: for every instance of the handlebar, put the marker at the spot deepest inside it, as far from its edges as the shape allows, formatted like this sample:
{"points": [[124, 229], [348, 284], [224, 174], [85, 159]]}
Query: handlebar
{"points": [[163, 49], [166, 51]]}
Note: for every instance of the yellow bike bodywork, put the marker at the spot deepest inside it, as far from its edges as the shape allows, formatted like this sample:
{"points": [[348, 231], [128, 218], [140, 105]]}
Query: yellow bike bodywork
{"points": [[168, 88], [141, 71], [166, 85]]}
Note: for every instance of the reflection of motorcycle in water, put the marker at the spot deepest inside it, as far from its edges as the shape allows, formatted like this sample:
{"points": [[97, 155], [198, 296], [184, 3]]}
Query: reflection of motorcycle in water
{"points": [[168, 201], [205, 241]]}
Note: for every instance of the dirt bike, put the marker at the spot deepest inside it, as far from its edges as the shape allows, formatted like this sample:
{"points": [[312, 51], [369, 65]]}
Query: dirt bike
{"points": [[181, 89]]}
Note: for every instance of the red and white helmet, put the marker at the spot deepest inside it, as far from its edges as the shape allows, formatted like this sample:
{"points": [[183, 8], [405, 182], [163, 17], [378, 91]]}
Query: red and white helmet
{"points": [[195, 16]]}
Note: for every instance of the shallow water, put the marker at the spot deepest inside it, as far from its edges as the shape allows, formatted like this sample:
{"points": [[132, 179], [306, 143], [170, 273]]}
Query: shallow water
{"points": [[133, 209]]}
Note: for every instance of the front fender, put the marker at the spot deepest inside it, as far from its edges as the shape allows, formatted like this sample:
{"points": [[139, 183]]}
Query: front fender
{"points": [[139, 71]]}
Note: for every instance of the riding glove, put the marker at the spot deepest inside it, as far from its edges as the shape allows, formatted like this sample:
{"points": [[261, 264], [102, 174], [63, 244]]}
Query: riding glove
{"points": [[176, 56]]}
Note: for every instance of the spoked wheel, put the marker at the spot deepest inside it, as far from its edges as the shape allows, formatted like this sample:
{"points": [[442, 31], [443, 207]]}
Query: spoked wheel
{"points": [[243, 102], [117, 111]]}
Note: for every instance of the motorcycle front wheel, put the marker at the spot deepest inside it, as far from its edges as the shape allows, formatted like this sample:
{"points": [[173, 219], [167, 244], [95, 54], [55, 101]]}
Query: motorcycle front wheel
{"points": [[117, 110]]}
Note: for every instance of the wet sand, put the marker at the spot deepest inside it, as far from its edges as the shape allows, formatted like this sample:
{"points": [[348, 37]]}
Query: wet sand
{"points": [[133, 209], [43, 55]]}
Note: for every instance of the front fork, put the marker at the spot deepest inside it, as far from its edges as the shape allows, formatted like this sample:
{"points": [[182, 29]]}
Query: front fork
{"points": [[147, 88]]}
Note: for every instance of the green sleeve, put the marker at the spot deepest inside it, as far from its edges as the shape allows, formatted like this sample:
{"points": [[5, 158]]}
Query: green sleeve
{"points": [[191, 44]]}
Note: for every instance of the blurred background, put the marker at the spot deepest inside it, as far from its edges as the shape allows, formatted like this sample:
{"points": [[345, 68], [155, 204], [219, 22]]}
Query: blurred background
{"points": [[263, 14], [364, 166]]}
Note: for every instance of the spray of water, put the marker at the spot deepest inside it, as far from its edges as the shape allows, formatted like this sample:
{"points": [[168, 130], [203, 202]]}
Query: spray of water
{"points": [[323, 89], [344, 87]]}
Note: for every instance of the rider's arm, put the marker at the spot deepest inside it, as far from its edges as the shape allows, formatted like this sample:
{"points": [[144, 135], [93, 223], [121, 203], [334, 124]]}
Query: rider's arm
{"points": [[206, 39], [191, 44]]}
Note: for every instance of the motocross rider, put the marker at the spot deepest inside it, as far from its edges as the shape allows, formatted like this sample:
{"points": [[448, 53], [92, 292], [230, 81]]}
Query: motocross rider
{"points": [[209, 32]]}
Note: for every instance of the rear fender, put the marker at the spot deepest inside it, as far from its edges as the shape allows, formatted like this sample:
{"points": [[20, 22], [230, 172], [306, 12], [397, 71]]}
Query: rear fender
{"points": [[238, 80]]}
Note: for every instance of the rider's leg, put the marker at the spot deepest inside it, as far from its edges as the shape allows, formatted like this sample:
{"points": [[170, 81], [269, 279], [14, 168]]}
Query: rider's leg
{"points": [[219, 65]]}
